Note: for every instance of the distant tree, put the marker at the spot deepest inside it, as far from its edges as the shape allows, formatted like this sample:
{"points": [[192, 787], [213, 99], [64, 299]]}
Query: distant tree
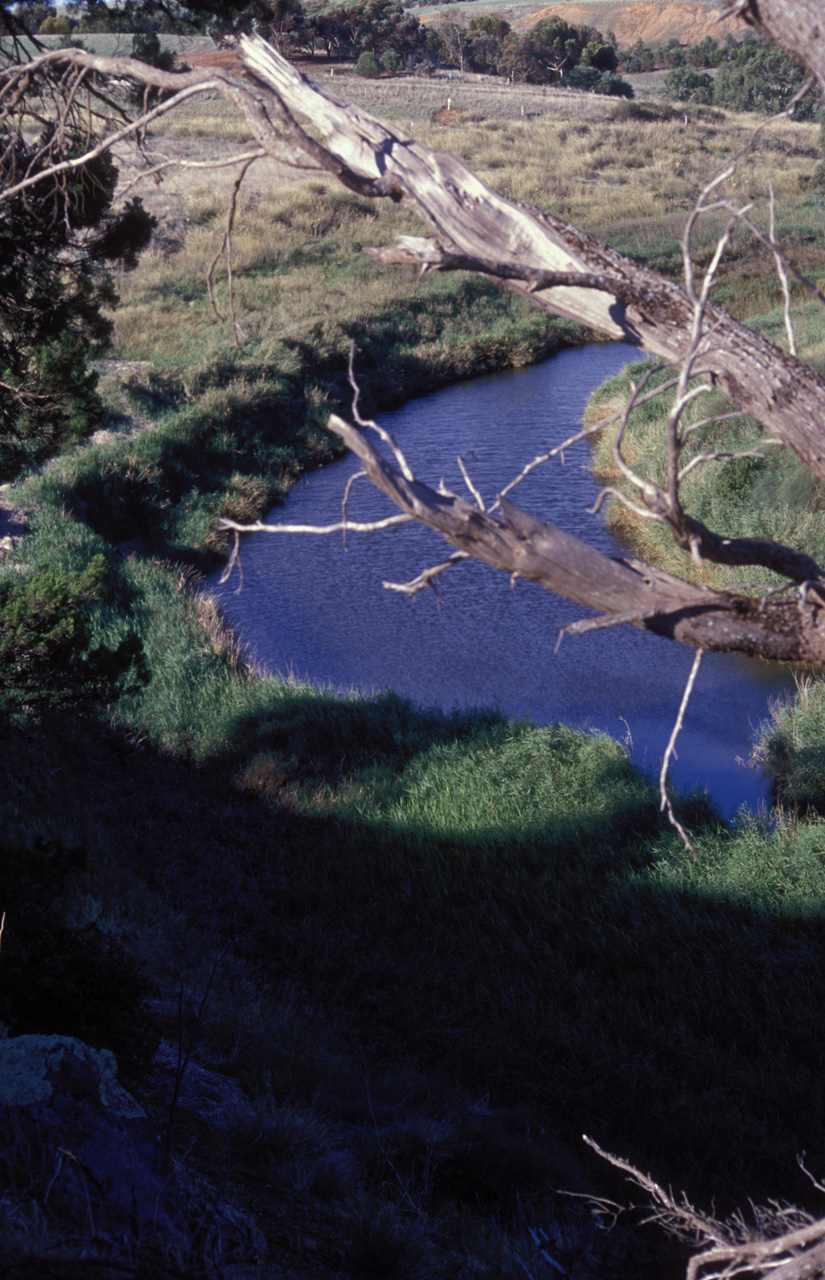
{"points": [[591, 80], [486, 35], [517, 60], [352, 27], [763, 78], [556, 46], [673, 55], [583, 78], [56, 24], [685, 84], [455, 49], [706, 54], [601, 56], [613, 86]]}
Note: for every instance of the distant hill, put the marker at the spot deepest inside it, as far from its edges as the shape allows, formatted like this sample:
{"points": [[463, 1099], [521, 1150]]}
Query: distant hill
{"points": [[649, 20]]}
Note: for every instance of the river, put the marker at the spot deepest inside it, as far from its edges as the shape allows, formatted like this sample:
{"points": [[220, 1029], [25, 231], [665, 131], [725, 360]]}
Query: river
{"points": [[310, 608]]}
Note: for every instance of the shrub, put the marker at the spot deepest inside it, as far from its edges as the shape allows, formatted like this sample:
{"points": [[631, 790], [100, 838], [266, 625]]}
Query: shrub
{"points": [[367, 66], [46, 655], [56, 241], [685, 84]]}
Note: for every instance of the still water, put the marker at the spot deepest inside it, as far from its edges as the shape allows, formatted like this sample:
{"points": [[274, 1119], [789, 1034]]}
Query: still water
{"points": [[313, 609]]}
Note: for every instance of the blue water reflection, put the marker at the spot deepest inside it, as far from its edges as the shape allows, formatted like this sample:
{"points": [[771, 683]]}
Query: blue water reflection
{"points": [[311, 608]]}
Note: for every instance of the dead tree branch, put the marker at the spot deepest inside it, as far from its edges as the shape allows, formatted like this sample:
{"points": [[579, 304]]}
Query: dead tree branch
{"points": [[540, 256], [619, 589], [731, 1248], [563, 270]]}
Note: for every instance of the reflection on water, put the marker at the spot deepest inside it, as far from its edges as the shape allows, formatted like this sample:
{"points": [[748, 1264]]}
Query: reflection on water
{"points": [[312, 608]]}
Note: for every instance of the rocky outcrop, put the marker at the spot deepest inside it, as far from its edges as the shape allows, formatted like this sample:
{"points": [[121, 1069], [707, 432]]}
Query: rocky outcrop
{"points": [[76, 1144]]}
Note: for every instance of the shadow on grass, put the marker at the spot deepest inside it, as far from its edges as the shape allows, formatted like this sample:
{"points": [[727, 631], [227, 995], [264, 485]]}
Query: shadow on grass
{"points": [[538, 962]]}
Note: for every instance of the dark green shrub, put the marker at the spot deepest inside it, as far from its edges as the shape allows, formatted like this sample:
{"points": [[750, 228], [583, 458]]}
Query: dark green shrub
{"points": [[367, 66], [46, 653], [613, 86], [685, 84], [56, 241]]}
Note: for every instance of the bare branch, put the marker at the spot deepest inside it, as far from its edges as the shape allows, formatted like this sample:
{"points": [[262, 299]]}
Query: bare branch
{"points": [[519, 545], [781, 271], [133, 127], [557, 451], [157, 169], [472, 223], [479, 501], [340, 526], [721, 455], [370, 423], [425, 578], [732, 1248], [225, 250], [665, 804]]}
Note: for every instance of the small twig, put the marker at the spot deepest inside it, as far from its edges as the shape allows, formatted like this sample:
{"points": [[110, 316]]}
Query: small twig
{"points": [[723, 456], [782, 273], [664, 802], [157, 169], [583, 625], [610, 491], [558, 450], [357, 475], [183, 1057], [800, 1160], [425, 578], [479, 501], [234, 559], [226, 250], [403, 465]]}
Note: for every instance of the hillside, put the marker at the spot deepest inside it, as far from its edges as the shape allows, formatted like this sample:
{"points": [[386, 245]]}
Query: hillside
{"points": [[631, 20]]}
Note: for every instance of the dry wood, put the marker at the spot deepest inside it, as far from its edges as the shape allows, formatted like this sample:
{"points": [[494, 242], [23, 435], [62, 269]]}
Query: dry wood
{"points": [[625, 590], [539, 255], [566, 271]]}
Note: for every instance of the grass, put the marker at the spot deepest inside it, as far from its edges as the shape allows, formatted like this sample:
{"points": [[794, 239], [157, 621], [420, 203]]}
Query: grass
{"points": [[446, 945], [773, 497]]}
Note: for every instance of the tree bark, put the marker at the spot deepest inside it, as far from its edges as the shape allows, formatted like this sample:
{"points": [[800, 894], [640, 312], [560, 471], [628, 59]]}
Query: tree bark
{"points": [[622, 590], [522, 244]]}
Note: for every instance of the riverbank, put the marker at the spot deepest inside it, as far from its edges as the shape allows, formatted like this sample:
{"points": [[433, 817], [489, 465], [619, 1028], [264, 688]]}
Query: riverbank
{"points": [[430, 949], [774, 496]]}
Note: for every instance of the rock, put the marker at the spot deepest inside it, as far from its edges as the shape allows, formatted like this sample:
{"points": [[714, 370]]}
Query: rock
{"points": [[212, 1097], [94, 1162]]}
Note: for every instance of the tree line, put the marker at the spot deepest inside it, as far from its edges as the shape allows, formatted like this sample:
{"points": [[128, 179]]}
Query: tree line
{"points": [[384, 33], [747, 75]]}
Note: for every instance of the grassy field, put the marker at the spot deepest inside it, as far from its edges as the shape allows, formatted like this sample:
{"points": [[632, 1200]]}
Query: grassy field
{"points": [[446, 945]]}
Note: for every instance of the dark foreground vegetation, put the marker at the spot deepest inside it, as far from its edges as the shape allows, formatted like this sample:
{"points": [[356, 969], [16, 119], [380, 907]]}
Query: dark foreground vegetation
{"points": [[431, 950]]}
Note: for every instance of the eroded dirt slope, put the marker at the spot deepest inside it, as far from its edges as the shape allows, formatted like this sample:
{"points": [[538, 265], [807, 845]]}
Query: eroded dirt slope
{"points": [[649, 20]]}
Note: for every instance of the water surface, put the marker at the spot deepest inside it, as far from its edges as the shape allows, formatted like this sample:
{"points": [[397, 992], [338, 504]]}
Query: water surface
{"points": [[313, 609]]}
